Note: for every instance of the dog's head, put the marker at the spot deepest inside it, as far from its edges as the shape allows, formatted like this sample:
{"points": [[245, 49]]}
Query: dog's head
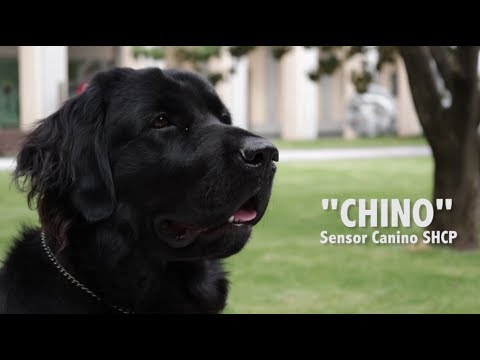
{"points": [[154, 154]]}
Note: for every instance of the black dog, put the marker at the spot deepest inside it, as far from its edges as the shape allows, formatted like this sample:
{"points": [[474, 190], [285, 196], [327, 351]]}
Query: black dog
{"points": [[142, 186]]}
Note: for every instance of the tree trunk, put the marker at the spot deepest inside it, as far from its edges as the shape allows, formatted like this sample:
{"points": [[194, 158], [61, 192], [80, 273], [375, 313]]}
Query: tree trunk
{"points": [[452, 135], [457, 177]]}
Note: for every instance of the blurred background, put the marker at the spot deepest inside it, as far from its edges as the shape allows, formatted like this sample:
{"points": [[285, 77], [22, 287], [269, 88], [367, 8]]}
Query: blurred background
{"points": [[267, 91], [349, 121]]}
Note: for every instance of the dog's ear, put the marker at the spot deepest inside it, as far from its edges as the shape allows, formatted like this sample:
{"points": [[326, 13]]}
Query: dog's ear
{"points": [[66, 155]]}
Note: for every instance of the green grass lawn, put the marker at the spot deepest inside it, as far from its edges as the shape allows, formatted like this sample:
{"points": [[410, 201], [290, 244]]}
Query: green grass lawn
{"points": [[338, 142], [284, 269], [13, 211]]}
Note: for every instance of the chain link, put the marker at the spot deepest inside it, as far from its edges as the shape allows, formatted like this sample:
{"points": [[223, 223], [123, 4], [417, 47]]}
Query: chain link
{"points": [[74, 281]]}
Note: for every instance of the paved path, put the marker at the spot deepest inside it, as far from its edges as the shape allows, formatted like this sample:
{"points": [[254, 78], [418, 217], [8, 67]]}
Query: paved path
{"points": [[354, 153], [321, 154], [7, 163]]}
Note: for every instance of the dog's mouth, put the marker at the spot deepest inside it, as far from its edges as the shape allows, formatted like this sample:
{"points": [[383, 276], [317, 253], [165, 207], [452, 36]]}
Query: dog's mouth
{"points": [[184, 234]]}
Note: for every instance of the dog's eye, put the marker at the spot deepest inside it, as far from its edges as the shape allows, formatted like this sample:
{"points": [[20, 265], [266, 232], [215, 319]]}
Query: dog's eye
{"points": [[161, 121]]}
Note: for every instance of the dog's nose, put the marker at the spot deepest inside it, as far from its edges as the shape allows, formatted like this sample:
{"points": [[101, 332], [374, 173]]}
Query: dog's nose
{"points": [[258, 151]]}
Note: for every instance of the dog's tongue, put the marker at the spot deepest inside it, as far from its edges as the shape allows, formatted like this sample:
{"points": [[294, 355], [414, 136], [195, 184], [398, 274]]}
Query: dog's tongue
{"points": [[244, 215]]}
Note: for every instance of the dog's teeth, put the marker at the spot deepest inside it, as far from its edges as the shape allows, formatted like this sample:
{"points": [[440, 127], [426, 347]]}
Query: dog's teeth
{"points": [[230, 219]]}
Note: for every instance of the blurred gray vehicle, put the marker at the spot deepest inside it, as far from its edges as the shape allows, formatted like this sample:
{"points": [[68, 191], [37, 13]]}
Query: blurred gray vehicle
{"points": [[372, 113]]}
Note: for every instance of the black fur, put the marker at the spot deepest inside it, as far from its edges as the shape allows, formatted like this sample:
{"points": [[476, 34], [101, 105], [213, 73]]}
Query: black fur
{"points": [[136, 211]]}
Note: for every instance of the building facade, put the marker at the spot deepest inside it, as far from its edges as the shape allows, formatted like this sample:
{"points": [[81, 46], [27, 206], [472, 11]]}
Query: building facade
{"points": [[270, 97]]}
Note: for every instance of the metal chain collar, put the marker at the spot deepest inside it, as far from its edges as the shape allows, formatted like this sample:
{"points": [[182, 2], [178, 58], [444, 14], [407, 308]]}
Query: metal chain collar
{"points": [[74, 281]]}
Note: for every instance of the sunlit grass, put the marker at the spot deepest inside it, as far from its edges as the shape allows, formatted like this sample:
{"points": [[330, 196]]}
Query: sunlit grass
{"points": [[284, 269]]}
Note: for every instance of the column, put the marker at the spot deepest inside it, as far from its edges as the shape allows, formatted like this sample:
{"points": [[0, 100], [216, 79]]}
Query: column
{"points": [[43, 82], [407, 118], [239, 103], [298, 95], [123, 57], [233, 89], [258, 114]]}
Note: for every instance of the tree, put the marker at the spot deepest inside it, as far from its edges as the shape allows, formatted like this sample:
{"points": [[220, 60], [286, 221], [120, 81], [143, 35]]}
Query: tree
{"points": [[444, 84], [196, 57], [451, 131], [445, 88]]}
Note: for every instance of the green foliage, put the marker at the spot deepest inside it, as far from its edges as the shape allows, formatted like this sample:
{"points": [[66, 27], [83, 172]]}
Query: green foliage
{"points": [[329, 64], [196, 54], [332, 57], [157, 52], [215, 77], [279, 51], [239, 51], [354, 50], [329, 60], [362, 79], [386, 54], [198, 57]]}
